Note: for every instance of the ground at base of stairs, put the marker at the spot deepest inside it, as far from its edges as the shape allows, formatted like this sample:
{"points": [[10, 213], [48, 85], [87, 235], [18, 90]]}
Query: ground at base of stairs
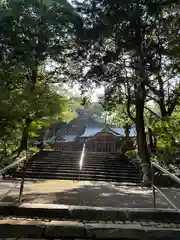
{"points": [[87, 193]]}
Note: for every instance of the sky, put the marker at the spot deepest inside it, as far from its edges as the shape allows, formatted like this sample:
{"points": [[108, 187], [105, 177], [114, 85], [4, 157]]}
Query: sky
{"points": [[93, 93]]}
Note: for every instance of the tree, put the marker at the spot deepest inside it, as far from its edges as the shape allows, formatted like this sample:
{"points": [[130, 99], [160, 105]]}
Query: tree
{"points": [[119, 115], [35, 37], [164, 89], [97, 111], [118, 43], [44, 105]]}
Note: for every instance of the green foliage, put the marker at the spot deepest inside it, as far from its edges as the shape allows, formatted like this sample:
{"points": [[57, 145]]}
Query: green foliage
{"points": [[167, 131], [131, 154], [33, 149], [42, 110], [119, 115], [130, 47], [127, 48], [97, 110], [35, 38]]}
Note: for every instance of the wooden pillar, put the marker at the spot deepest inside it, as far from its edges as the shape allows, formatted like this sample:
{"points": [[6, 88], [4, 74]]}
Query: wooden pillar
{"points": [[46, 135], [127, 131]]}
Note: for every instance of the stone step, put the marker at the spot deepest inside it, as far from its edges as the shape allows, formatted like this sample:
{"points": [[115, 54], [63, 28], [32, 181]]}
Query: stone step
{"points": [[77, 159], [60, 155], [61, 152], [62, 168], [90, 174], [115, 172], [96, 167], [106, 157], [84, 171], [77, 156], [124, 182], [88, 177], [107, 166], [87, 213], [79, 153], [90, 168], [106, 162], [84, 163], [22, 229], [70, 163], [74, 159], [65, 168], [100, 155]]}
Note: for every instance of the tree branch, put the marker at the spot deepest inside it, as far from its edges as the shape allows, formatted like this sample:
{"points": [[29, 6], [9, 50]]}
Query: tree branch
{"points": [[151, 98], [155, 114], [173, 104]]}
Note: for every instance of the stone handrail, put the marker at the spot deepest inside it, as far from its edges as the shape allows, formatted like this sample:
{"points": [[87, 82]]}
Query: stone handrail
{"points": [[172, 176], [82, 157], [81, 160], [15, 163], [155, 188], [12, 165]]}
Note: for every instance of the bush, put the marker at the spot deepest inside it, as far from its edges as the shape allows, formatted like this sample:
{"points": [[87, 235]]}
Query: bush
{"points": [[131, 153]]}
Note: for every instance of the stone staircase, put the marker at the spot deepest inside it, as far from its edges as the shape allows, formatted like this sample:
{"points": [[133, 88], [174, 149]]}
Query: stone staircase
{"points": [[38, 221], [96, 167], [109, 167]]}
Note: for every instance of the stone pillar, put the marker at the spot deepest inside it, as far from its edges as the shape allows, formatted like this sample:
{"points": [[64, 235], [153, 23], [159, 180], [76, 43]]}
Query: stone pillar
{"points": [[46, 135], [146, 171], [54, 131]]}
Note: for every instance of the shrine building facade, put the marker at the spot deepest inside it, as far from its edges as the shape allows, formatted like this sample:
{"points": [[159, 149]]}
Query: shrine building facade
{"points": [[98, 137]]}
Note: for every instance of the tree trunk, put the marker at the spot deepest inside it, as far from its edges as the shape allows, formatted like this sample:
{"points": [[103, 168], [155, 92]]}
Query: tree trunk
{"points": [[24, 138], [155, 143], [141, 135], [150, 139], [127, 130]]}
